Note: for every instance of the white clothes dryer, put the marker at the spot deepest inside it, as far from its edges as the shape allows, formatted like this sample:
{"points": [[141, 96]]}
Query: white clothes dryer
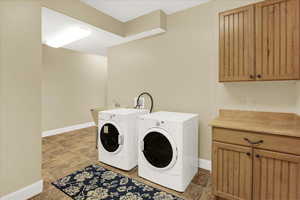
{"points": [[168, 148]]}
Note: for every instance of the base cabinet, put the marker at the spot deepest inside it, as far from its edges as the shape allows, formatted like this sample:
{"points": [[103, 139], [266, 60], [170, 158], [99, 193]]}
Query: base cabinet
{"points": [[252, 173], [232, 173], [276, 176]]}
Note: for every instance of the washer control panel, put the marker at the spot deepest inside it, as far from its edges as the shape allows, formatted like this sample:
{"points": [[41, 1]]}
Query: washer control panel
{"points": [[158, 123], [112, 116]]}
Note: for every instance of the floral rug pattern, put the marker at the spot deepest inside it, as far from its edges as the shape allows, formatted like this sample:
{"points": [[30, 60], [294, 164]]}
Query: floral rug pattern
{"points": [[97, 183]]}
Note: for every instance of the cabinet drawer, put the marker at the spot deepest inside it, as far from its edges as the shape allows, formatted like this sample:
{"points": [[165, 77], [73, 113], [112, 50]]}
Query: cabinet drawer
{"points": [[269, 142]]}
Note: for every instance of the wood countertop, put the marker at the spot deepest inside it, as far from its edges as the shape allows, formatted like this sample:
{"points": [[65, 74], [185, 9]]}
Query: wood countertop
{"points": [[285, 124]]}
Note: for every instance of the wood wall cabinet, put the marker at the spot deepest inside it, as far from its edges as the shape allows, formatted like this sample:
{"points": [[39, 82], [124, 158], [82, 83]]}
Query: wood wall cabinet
{"points": [[237, 45], [260, 42], [277, 40]]}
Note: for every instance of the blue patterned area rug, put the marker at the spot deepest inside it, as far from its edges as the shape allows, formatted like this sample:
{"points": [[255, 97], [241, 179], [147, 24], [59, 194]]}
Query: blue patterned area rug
{"points": [[97, 183]]}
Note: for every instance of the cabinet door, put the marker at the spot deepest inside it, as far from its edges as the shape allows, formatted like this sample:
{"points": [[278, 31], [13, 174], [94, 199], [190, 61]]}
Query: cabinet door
{"points": [[277, 40], [276, 176], [232, 171], [236, 45]]}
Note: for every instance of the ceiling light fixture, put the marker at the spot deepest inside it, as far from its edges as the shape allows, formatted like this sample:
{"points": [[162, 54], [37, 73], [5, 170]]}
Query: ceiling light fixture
{"points": [[68, 36]]}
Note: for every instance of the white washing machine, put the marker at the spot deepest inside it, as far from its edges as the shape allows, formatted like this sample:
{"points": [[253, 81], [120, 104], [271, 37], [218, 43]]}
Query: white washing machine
{"points": [[118, 137], [168, 148]]}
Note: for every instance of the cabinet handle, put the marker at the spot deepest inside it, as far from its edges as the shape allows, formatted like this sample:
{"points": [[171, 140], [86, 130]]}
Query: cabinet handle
{"points": [[257, 156], [250, 142], [259, 76], [248, 154], [251, 77]]}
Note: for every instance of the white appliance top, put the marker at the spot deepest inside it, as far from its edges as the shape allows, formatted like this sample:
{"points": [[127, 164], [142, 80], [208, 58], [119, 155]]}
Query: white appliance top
{"points": [[124, 111], [170, 116]]}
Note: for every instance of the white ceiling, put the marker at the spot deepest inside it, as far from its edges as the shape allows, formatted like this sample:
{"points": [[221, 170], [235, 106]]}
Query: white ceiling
{"points": [[97, 43], [125, 10]]}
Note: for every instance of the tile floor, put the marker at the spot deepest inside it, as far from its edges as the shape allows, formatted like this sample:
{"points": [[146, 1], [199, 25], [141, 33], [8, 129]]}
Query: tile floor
{"points": [[68, 152]]}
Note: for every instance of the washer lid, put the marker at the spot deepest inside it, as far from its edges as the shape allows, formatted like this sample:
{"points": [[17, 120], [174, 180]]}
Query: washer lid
{"points": [[110, 137], [124, 111], [159, 150]]}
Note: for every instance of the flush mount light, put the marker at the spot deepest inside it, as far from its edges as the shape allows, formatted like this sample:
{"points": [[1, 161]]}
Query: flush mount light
{"points": [[67, 36]]}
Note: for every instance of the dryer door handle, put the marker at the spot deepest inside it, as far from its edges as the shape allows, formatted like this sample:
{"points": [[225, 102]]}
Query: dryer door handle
{"points": [[142, 146], [121, 139]]}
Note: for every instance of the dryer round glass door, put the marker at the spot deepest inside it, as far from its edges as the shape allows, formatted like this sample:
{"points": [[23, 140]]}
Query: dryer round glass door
{"points": [[157, 149], [109, 136]]}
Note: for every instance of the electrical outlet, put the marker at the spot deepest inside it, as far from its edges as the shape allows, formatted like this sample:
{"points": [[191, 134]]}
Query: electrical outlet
{"points": [[141, 102]]}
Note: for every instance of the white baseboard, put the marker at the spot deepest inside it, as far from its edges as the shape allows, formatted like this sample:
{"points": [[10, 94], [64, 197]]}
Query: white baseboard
{"points": [[26, 192], [67, 129], [205, 164]]}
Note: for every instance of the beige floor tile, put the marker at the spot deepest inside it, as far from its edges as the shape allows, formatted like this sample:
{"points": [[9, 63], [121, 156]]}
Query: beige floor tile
{"points": [[66, 153]]}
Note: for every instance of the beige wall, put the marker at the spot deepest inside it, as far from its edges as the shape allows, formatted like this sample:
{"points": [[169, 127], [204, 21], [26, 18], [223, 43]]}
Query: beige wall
{"points": [[267, 96], [180, 69], [73, 83], [20, 94], [298, 98], [153, 20]]}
